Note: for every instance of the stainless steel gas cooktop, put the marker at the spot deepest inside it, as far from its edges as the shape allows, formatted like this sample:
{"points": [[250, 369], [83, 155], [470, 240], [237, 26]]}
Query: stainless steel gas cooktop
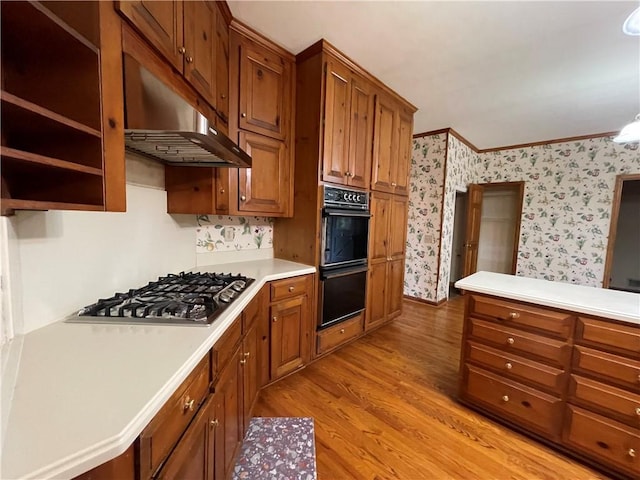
{"points": [[183, 299]]}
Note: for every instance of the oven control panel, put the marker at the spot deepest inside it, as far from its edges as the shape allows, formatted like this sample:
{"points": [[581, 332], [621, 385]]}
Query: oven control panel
{"points": [[345, 198]]}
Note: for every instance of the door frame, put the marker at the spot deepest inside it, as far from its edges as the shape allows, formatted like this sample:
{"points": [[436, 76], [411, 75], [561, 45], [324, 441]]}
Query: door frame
{"points": [[613, 225], [519, 189]]}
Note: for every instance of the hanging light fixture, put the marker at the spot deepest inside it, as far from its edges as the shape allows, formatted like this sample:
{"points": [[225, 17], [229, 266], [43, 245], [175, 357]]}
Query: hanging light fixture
{"points": [[630, 133], [632, 23]]}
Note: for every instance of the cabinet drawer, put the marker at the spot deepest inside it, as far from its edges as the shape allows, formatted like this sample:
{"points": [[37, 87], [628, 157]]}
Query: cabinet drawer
{"points": [[512, 339], [525, 406], [290, 287], [332, 337], [613, 368], [609, 335], [224, 347], [608, 441], [515, 314], [516, 367], [623, 404], [163, 432]]}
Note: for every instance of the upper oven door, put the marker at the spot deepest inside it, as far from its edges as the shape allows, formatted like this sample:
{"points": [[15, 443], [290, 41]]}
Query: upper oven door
{"points": [[345, 237]]}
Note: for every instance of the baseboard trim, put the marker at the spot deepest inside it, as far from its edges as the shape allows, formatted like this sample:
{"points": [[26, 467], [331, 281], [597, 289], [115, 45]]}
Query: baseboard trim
{"points": [[422, 300]]}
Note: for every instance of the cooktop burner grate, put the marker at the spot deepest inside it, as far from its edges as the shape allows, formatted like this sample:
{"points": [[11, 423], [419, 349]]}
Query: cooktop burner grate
{"points": [[182, 299]]}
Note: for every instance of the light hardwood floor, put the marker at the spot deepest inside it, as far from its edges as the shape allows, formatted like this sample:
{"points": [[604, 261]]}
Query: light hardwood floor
{"points": [[385, 407]]}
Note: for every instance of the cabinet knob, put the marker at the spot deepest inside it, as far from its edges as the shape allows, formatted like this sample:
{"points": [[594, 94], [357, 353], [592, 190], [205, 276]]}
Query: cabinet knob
{"points": [[222, 190], [243, 361], [189, 59], [223, 96], [638, 411], [243, 197], [508, 365], [291, 289], [631, 453], [342, 330], [181, 50], [243, 115], [514, 315], [510, 340], [247, 354], [275, 319], [214, 423], [505, 398], [393, 184], [188, 404]]}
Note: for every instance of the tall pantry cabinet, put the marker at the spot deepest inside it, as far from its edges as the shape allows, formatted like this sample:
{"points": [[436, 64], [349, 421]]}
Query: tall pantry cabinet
{"points": [[351, 131]]}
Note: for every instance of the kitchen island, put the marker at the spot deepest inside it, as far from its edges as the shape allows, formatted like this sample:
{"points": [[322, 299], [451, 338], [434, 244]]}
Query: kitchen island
{"points": [[77, 395], [559, 362]]}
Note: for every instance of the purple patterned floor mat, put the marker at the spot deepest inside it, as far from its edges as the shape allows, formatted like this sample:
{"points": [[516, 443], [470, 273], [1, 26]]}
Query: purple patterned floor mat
{"points": [[281, 448]]}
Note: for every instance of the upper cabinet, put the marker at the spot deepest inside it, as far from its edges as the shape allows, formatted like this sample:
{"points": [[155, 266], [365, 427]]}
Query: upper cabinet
{"points": [[393, 128], [62, 139]]}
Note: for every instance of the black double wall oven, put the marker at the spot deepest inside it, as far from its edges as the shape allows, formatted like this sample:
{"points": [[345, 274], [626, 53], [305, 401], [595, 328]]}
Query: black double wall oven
{"points": [[343, 263]]}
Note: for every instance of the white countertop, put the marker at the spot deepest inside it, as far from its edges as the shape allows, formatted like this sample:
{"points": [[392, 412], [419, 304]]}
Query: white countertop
{"points": [[80, 394], [601, 302]]}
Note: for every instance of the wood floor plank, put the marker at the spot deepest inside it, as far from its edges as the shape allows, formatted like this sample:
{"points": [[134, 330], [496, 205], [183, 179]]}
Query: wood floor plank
{"points": [[385, 408]]}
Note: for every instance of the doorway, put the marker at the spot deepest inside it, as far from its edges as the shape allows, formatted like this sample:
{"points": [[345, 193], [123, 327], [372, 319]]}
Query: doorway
{"points": [[458, 241], [622, 266], [493, 227]]}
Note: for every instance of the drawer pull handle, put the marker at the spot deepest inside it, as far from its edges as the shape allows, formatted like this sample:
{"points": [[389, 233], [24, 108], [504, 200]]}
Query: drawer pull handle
{"points": [[514, 315], [291, 288], [508, 365], [342, 330], [510, 340], [188, 404], [505, 398], [214, 423], [631, 453], [638, 411]]}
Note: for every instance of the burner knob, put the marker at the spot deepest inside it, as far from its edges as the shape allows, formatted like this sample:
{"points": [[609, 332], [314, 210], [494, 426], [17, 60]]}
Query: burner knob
{"points": [[224, 297], [358, 198]]}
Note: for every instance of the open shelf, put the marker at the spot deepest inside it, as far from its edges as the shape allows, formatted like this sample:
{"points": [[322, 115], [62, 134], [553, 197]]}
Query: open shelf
{"points": [[9, 204], [10, 155]]}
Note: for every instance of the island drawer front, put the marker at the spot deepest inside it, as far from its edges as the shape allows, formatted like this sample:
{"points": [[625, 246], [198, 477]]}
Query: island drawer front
{"points": [[290, 287], [609, 335], [616, 369], [225, 346], [331, 337], [516, 367], [512, 339], [610, 442], [539, 411], [164, 431], [509, 313], [623, 404]]}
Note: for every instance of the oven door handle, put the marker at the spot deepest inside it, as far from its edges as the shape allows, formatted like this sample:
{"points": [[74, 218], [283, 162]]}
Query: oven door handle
{"points": [[336, 212], [341, 272]]}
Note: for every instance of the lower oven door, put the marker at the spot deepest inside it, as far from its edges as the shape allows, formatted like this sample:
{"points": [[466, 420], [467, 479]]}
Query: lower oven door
{"points": [[343, 293]]}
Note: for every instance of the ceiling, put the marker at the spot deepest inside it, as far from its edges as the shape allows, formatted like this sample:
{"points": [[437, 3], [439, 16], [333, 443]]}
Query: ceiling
{"points": [[499, 73]]}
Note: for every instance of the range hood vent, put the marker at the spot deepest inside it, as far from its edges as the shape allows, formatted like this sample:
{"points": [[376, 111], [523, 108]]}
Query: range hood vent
{"points": [[162, 125]]}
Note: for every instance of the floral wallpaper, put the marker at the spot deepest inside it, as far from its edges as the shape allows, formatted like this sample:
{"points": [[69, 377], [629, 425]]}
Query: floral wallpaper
{"points": [[224, 233], [462, 163], [425, 212], [567, 204], [566, 212]]}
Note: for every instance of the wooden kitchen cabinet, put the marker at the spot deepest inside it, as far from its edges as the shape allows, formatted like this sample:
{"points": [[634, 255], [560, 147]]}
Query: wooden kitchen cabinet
{"points": [[254, 318], [290, 318], [386, 258], [570, 380], [62, 139], [392, 144]]}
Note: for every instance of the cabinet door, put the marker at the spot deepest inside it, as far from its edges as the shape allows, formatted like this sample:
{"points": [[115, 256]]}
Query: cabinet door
{"points": [[378, 226], [222, 73], [263, 188], [229, 413], [190, 458], [405, 146], [200, 34], [250, 372], [397, 233], [360, 133], [376, 295], [264, 91], [335, 161], [160, 23], [288, 337], [385, 139], [395, 287]]}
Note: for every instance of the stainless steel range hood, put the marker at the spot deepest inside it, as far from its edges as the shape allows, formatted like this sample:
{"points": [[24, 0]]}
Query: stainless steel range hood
{"points": [[160, 124]]}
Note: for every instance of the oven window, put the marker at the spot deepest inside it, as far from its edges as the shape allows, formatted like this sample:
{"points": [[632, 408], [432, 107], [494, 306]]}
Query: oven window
{"points": [[342, 296], [346, 239]]}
